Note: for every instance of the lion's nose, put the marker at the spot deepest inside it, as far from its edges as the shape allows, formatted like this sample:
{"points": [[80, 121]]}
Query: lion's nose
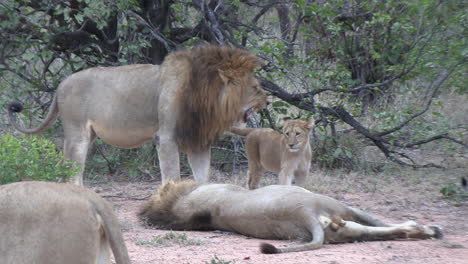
{"points": [[291, 145]]}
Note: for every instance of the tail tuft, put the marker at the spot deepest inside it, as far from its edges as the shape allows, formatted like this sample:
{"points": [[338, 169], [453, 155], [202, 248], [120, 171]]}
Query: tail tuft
{"points": [[438, 232], [266, 248], [15, 107]]}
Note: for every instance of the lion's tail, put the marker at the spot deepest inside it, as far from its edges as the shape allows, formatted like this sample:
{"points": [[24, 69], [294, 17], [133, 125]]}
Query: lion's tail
{"points": [[243, 132], [16, 107], [318, 237], [267, 248], [113, 233]]}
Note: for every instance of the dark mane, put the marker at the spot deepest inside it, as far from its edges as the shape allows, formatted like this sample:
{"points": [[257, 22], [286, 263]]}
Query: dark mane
{"points": [[202, 115], [157, 211]]}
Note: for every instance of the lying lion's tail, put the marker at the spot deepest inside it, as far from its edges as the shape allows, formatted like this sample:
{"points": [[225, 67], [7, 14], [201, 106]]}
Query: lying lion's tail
{"points": [[243, 132], [318, 237], [16, 107]]}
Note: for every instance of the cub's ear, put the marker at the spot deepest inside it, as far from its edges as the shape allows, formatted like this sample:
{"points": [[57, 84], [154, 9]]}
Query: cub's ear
{"points": [[310, 122]]}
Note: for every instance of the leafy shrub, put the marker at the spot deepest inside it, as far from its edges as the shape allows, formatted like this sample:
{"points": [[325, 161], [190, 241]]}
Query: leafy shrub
{"points": [[331, 152], [31, 158], [454, 191]]}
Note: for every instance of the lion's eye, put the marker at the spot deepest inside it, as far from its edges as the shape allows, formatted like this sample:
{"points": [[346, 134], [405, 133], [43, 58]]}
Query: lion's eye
{"points": [[287, 134], [298, 134]]}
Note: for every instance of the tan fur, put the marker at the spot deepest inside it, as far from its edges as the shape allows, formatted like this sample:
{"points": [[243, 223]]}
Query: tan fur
{"points": [[288, 153], [52, 223], [271, 212], [186, 102]]}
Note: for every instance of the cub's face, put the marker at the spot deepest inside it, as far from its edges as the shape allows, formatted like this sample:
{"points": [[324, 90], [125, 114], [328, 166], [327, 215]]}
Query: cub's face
{"points": [[296, 133]]}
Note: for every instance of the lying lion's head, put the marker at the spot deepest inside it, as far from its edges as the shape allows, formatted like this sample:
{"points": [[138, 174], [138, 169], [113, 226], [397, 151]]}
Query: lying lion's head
{"points": [[220, 88], [296, 133], [158, 210]]}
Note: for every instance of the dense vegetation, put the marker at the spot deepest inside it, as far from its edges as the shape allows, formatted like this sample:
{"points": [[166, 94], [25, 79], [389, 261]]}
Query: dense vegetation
{"points": [[373, 68]]}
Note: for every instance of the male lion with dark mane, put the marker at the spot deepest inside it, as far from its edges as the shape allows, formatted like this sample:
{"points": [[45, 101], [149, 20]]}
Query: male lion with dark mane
{"points": [[186, 102], [57, 223], [288, 154], [271, 212]]}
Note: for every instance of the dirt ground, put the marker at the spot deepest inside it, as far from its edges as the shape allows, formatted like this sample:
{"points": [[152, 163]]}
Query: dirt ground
{"points": [[407, 195]]}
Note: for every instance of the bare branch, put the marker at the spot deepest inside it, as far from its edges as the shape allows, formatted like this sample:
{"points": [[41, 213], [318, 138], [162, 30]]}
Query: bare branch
{"points": [[152, 30]]}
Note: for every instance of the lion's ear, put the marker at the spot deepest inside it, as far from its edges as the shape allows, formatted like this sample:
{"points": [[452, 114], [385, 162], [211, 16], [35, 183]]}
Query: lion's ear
{"points": [[225, 76]]}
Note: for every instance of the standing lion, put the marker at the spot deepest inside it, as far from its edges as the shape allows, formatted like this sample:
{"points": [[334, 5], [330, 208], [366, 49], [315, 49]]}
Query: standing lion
{"points": [[288, 154], [185, 102]]}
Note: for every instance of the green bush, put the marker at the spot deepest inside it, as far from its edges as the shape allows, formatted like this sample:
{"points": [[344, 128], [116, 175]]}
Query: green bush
{"points": [[454, 191], [31, 158], [332, 152]]}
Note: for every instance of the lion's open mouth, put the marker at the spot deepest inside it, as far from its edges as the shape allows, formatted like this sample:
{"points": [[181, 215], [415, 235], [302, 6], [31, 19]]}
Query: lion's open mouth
{"points": [[248, 114]]}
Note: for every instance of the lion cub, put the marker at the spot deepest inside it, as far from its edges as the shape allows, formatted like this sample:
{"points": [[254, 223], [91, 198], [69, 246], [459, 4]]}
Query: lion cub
{"points": [[288, 153]]}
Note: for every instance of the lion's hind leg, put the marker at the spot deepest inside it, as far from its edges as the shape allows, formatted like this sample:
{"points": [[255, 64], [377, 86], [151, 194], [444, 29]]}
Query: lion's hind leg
{"points": [[255, 173], [77, 141], [349, 231], [366, 219]]}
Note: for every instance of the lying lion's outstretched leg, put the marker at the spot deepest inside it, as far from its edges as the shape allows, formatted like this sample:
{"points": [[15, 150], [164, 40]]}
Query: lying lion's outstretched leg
{"points": [[168, 154], [348, 231], [366, 219], [318, 238], [200, 164]]}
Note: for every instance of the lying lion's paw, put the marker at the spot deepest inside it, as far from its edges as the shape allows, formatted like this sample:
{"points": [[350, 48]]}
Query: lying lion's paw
{"points": [[438, 234]]}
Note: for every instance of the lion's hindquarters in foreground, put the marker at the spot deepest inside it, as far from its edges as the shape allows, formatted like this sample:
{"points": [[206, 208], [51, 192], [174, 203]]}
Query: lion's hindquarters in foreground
{"points": [[48, 223], [272, 212]]}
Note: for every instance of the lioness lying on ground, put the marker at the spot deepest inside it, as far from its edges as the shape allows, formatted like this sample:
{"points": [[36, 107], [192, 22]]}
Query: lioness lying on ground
{"points": [[271, 212], [52, 223], [288, 153]]}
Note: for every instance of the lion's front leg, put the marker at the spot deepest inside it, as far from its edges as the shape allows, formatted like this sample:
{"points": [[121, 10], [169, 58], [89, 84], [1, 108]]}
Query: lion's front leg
{"points": [[300, 177], [168, 153], [286, 177], [200, 164]]}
